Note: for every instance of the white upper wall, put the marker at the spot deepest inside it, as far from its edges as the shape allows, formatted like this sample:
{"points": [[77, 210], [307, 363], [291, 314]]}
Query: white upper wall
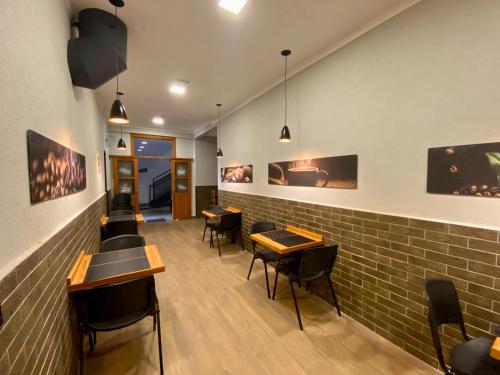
{"points": [[36, 93], [205, 162], [426, 78]]}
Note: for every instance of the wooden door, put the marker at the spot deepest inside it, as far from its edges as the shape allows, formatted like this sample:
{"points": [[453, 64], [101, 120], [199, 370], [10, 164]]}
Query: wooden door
{"points": [[125, 172], [181, 188]]}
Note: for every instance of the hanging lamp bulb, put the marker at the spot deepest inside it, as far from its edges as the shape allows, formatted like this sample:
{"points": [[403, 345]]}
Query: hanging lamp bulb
{"points": [[285, 131], [117, 114], [220, 155]]}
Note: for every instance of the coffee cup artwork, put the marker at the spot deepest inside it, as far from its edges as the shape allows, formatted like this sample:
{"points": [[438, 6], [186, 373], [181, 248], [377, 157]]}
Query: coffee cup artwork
{"points": [[339, 172]]}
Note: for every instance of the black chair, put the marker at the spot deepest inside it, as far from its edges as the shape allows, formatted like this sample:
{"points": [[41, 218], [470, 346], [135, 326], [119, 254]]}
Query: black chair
{"points": [[209, 222], [116, 306], [122, 201], [314, 264], [468, 358], [265, 254], [121, 213], [125, 241], [228, 224], [118, 228]]}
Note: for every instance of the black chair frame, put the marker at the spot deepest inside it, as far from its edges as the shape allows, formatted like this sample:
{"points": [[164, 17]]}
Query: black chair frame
{"points": [[86, 327], [228, 224], [125, 241], [297, 272]]}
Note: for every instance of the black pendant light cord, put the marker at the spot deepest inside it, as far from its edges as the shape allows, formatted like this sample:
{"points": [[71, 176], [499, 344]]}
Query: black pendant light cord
{"points": [[116, 56], [286, 99], [218, 131]]}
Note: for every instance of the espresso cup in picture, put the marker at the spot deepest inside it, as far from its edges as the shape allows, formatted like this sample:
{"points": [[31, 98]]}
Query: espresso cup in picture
{"points": [[306, 176]]}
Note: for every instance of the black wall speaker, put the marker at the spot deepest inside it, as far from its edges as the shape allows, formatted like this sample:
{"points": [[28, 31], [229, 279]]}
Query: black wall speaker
{"points": [[91, 56]]}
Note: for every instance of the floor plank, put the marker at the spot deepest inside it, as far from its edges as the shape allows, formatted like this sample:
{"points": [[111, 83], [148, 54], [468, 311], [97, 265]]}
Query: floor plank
{"points": [[215, 321]]}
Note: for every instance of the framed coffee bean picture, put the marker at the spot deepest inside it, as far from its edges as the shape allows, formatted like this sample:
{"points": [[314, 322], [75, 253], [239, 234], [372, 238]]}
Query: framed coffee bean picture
{"points": [[238, 174], [54, 170], [467, 170], [339, 172]]}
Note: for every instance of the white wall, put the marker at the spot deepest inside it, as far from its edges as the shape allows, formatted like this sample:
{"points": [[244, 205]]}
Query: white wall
{"points": [[429, 77], [154, 167], [36, 93], [205, 162]]}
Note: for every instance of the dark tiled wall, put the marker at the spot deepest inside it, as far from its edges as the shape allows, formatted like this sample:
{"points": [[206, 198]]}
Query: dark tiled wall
{"points": [[383, 261], [203, 197], [37, 334]]}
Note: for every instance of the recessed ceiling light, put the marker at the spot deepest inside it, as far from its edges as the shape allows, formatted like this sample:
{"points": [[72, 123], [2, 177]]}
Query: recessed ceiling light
{"points": [[144, 142], [233, 6], [139, 150], [141, 147], [178, 87], [158, 120]]}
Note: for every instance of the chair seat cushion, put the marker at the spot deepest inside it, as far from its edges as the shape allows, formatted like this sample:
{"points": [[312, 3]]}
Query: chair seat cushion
{"points": [[118, 323], [267, 255], [473, 358]]}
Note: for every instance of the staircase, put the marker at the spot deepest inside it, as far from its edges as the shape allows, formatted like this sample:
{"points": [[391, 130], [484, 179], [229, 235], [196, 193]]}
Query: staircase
{"points": [[160, 191]]}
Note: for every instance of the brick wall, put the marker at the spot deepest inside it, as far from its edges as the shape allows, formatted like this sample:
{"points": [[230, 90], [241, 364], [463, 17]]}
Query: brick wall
{"points": [[203, 197], [383, 261], [37, 334]]}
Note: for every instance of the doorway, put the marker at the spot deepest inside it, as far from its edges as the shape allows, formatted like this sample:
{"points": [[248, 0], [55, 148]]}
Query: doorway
{"points": [[154, 178]]}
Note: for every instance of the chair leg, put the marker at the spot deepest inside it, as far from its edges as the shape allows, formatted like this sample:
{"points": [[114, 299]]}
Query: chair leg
{"points": [[251, 266], [333, 295], [211, 238], [154, 322], [204, 231], [91, 341], [296, 305], [81, 353], [308, 285], [159, 341], [241, 241], [267, 281], [218, 243], [276, 279]]}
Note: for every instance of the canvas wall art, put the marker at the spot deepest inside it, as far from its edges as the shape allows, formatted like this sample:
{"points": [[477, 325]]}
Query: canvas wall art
{"points": [[472, 170], [339, 172], [54, 170], [238, 174]]}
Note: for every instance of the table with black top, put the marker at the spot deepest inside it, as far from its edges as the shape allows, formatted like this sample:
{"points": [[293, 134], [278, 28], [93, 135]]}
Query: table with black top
{"points": [[218, 212], [288, 240], [137, 217], [92, 270]]}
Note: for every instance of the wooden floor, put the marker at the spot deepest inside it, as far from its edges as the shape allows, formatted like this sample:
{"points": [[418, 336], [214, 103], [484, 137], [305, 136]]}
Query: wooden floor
{"points": [[214, 321]]}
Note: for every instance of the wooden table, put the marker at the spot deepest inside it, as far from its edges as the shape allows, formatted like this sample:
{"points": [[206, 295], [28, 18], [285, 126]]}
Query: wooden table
{"points": [[316, 240], [211, 215], [495, 349], [138, 217], [111, 261]]}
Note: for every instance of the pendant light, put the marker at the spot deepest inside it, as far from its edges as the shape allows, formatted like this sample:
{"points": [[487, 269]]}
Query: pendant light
{"points": [[220, 155], [121, 143], [118, 114], [285, 132]]}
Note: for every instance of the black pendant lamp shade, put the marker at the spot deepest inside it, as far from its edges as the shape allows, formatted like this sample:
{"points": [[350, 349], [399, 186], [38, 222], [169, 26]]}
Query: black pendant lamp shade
{"points": [[285, 132], [118, 114], [121, 143], [220, 155]]}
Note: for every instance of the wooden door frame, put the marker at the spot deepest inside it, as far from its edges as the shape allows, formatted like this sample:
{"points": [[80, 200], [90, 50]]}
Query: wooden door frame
{"points": [[133, 136]]}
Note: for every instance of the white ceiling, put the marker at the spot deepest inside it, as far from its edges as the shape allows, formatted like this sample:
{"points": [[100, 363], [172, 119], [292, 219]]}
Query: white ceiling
{"points": [[228, 59]]}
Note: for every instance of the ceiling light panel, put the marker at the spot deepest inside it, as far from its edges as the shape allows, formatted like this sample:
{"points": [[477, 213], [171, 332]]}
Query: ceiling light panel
{"points": [[158, 120], [178, 88], [234, 6]]}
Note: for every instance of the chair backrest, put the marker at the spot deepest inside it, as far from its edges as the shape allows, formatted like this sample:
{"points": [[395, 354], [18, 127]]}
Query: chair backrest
{"points": [[262, 226], [317, 262], [444, 308], [125, 241], [119, 304], [230, 222], [118, 228], [121, 213], [122, 200]]}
